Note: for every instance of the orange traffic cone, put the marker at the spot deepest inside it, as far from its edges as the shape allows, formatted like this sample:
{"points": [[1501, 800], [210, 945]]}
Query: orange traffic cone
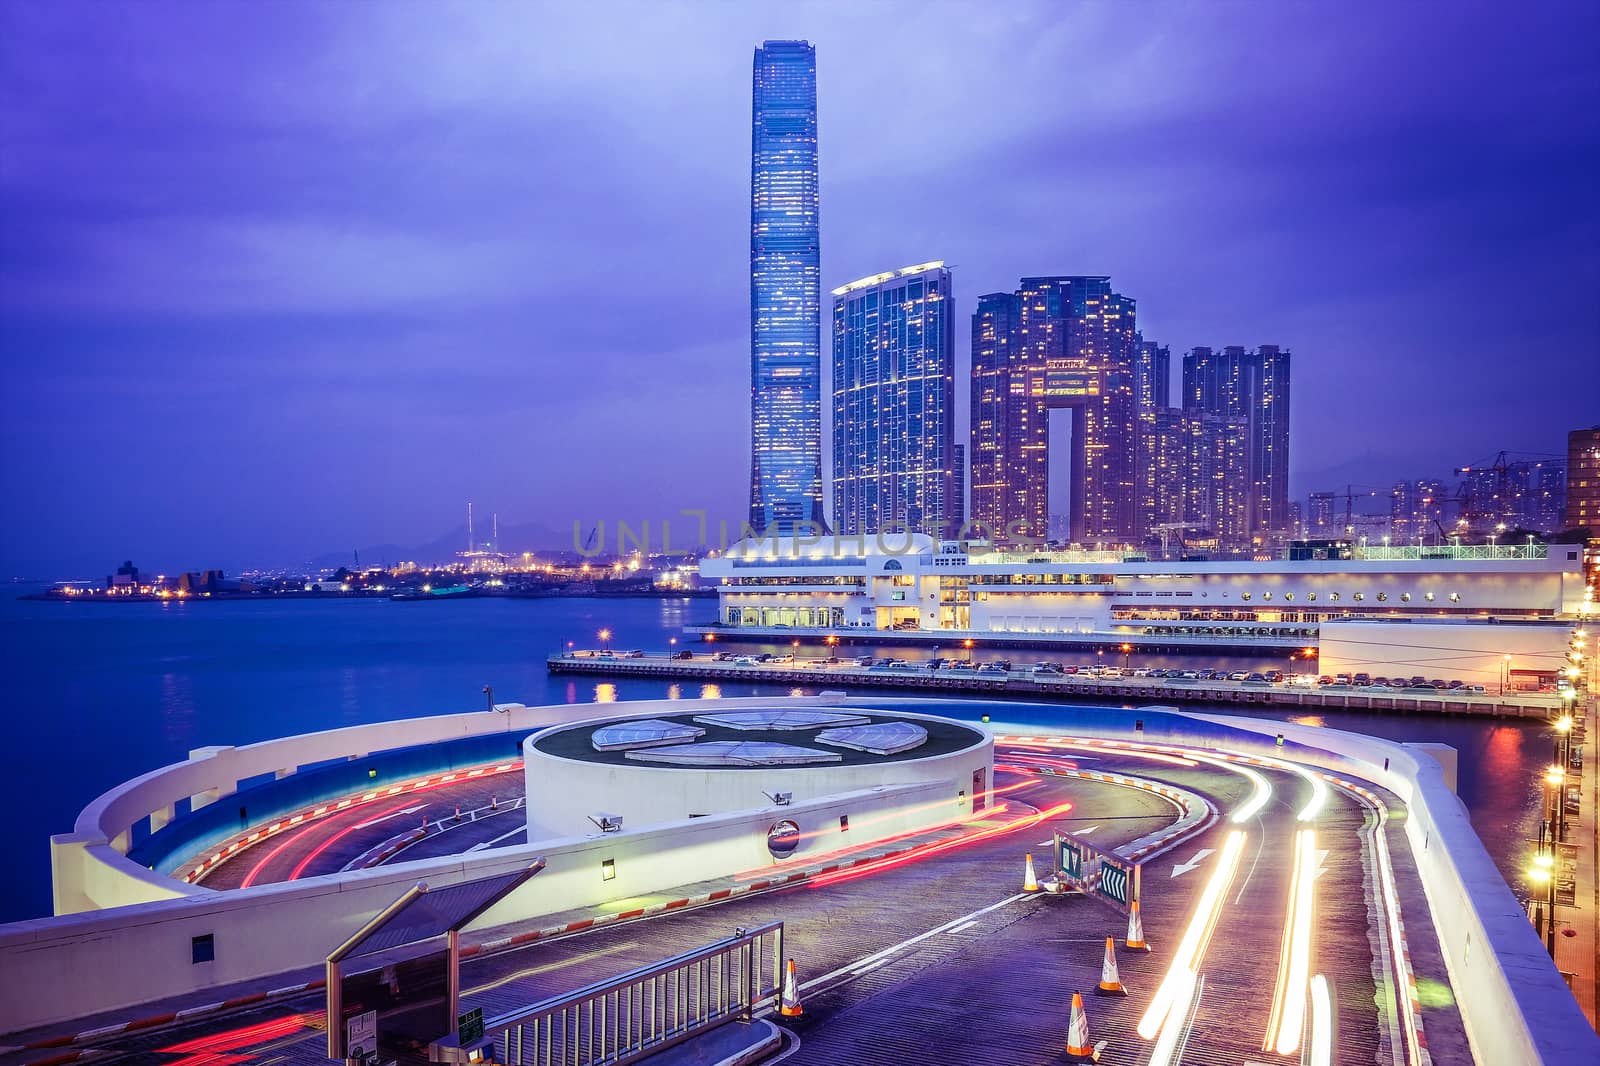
{"points": [[1135, 941], [1110, 983], [1029, 882], [1078, 1049], [789, 1006]]}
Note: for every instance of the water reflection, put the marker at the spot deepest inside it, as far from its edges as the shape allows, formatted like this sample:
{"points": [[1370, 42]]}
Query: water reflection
{"points": [[674, 692], [177, 708], [605, 692], [711, 692]]}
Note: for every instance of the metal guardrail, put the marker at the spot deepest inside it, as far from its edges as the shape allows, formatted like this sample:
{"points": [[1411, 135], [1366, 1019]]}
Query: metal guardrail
{"points": [[1471, 552], [625, 1018]]}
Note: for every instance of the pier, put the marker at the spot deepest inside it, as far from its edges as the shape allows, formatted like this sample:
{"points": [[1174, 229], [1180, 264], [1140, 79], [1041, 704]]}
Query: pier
{"points": [[916, 677]]}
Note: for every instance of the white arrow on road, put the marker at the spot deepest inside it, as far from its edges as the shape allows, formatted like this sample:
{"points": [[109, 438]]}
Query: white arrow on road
{"points": [[1322, 857], [1199, 858], [396, 814], [1085, 832]]}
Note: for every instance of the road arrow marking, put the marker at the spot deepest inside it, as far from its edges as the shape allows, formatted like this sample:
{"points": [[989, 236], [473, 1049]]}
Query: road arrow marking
{"points": [[1322, 857], [396, 814], [1085, 832], [1184, 868]]}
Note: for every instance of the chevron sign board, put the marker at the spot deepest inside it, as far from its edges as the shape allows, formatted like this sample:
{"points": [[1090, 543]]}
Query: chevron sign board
{"points": [[1117, 881]]}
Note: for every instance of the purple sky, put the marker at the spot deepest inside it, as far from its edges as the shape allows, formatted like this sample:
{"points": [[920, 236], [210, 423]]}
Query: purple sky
{"points": [[284, 279]]}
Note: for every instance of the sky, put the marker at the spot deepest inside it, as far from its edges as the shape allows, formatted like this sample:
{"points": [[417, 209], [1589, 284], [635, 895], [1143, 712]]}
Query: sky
{"points": [[284, 279]]}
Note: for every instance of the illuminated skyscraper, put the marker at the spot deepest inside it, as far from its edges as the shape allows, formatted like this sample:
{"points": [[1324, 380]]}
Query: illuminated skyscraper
{"points": [[1056, 342], [894, 404], [785, 290], [1152, 369], [1253, 385]]}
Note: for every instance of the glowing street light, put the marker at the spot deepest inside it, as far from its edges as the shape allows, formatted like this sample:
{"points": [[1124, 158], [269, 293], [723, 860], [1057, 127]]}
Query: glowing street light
{"points": [[605, 639]]}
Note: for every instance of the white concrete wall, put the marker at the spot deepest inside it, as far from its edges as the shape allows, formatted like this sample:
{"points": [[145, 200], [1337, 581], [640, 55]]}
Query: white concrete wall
{"points": [[562, 792], [1470, 652], [59, 969]]}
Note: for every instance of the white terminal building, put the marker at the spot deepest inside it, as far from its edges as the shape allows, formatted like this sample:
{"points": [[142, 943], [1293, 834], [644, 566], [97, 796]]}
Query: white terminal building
{"points": [[1465, 602]]}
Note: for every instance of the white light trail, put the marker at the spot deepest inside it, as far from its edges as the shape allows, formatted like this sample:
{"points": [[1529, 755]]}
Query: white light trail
{"points": [[1287, 1021], [1178, 984], [1321, 1022], [1319, 787], [1259, 799]]}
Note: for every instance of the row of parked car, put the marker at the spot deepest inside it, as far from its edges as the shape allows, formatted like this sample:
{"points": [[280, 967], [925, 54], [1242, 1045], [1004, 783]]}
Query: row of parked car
{"points": [[1113, 673]]}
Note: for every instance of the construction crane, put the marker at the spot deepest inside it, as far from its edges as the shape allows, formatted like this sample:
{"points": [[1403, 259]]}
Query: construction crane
{"points": [[1349, 496], [1471, 504], [1180, 528]]}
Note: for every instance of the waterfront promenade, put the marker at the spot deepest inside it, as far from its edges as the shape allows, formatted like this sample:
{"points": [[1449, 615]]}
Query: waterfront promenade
{"points": [[916, 677]]}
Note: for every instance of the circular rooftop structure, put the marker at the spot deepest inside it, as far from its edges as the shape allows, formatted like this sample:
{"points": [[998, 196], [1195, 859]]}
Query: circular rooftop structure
{"points": [[760, 739], [688, 759]]}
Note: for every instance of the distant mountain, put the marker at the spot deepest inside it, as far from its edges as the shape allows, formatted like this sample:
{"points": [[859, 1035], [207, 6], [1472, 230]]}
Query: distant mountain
{"points": [[514, 539]]}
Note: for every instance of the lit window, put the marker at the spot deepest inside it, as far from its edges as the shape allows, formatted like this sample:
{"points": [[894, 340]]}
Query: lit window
{"points": [[1405, 597], [1360, 596], [1266, 595], [1334, 596], [1312, 596], [1455, 597], [1288, 597], [1245, 596], [1428, 596]]}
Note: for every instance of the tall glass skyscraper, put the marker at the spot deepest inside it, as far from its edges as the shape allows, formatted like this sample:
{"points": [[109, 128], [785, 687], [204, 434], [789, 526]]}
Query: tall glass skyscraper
{"points": [[785, 290], [894, 404]]}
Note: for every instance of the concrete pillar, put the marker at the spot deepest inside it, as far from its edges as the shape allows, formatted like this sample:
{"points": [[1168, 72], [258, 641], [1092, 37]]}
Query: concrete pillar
{"points": [[67, 861], [160, 817], [279, 775], [122, 841], [216, 792]]}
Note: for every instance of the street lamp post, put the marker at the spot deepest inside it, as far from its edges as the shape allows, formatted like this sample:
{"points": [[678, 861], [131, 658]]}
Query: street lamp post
{"points": [[1555, 777], [1127, 654], [605, 639], [1505, 673], [1543, 873]]}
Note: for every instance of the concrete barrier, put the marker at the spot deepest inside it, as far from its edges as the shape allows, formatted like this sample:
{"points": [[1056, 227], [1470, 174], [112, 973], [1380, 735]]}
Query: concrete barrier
{"points": [[58, 969]]}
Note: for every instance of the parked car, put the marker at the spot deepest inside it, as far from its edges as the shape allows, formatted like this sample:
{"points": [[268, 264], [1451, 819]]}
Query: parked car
{"points": [[684, 654], [1238, 675], [1257, 677], [1073, 669], [1112, 673]]}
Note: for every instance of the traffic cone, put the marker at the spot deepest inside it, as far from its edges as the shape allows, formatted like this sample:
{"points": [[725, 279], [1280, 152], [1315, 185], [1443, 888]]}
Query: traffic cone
{"points": [[1029, 882], [1110, 983], [1078, 1048], [1135, 941], [789, 1006], [494, 804]]}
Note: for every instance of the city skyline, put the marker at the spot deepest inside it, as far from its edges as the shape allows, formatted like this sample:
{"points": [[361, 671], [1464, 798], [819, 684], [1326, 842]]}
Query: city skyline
{"points": [[221, 291]]}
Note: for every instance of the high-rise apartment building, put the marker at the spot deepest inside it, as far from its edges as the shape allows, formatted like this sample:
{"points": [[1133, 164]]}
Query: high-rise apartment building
{"points": [[1057, 342], [894, 404], [1416, 510], [1152, 373], [1254, 385], [1193, 476], [785, 290], [1583, 481]]}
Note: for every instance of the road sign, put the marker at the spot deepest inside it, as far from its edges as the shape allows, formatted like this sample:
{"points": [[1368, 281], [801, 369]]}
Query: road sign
{"points": [[361, 1037], [469, 1027], [1069, 858], [1117, 880]]}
